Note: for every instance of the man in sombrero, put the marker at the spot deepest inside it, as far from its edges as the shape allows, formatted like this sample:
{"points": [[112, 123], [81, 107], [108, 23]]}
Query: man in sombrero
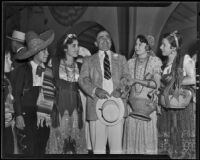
{"points": [[28, 82], [100, 78], [17, 44]]}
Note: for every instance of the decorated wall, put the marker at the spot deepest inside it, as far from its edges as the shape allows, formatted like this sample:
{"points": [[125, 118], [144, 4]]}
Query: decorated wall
{"points": [[124, 23]]}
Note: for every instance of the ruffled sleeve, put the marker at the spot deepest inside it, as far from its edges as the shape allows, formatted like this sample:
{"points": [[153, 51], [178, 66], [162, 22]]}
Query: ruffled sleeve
{"points": [[188, 66]]}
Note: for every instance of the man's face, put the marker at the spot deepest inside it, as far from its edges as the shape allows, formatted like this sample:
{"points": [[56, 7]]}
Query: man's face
{"points": [[103, 41], [42, 56]]}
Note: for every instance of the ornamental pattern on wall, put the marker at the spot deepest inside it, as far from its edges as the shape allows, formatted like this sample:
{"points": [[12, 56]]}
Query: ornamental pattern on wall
{"points": [[66, 15]]}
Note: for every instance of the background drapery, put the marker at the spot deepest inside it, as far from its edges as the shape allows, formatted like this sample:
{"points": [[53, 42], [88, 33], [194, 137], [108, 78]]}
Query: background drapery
{"points": [[126, 29]]}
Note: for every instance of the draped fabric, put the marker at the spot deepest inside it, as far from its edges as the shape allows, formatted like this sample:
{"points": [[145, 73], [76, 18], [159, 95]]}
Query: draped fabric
{"points": [[48, 90], [127, 28], [48, 84]]}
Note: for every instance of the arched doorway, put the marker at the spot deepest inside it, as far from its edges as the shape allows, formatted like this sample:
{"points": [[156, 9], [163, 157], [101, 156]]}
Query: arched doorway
{"points": [[183, 19], [86, 32]]}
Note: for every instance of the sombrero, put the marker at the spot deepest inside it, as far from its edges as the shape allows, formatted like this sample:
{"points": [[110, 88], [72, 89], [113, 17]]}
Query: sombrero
{"points": [[17, 36], [36, 43], [110, 111]]}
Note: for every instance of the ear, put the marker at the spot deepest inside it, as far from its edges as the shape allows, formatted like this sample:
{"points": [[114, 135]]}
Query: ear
{"points": [[65, 49], [95, 43]]}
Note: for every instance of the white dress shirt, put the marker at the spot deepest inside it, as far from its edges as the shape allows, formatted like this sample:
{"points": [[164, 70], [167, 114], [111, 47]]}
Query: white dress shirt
{"points": [[107, 84], [37, 80]]}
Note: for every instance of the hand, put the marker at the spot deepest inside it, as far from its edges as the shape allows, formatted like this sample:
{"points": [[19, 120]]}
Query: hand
{"points": [[116, 93], [20, 122], [101, 94], [168, 78], [132, 82], [124, 81]]}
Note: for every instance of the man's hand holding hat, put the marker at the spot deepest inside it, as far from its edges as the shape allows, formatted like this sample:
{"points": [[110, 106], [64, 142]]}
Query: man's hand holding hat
{"points": [[101, 93]]}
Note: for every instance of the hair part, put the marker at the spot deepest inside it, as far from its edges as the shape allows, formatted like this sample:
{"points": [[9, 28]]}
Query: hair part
{"points": [[63, 43]]}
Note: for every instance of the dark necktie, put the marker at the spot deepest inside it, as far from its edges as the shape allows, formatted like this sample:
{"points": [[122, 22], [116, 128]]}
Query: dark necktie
{"points": [[106, 64], [39, 70]]}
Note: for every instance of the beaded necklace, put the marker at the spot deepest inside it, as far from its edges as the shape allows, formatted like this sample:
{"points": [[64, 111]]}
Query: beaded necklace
{"points": [[70, 71], [144, 72]]}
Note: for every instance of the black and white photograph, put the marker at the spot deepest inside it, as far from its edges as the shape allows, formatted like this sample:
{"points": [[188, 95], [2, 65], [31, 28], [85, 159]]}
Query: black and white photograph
{"points": [[100, 79]]}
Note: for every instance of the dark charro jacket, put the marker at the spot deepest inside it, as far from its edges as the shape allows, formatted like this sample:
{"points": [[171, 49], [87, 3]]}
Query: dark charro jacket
{"points": [[25, 95]]}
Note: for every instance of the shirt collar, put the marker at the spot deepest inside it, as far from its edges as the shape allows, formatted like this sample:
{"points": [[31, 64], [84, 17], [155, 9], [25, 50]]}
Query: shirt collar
{"points": [[34, 65], [101, 53]]}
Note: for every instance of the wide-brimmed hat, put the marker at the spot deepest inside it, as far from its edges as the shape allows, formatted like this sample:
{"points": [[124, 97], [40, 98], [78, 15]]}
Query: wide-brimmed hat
{"points": [[110, 111], [36, 43], [17, 36]]}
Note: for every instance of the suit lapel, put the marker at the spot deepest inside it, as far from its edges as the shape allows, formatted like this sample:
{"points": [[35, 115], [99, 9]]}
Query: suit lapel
{"points": [[97, 65], [114, 62]]}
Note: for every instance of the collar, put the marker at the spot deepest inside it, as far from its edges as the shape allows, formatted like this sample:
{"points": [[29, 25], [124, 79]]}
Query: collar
{"points": [[34, 65], [101, 53]]}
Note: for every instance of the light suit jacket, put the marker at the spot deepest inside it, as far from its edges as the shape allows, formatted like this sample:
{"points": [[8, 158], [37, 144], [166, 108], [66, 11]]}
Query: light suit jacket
{"points": [[91, 77]]}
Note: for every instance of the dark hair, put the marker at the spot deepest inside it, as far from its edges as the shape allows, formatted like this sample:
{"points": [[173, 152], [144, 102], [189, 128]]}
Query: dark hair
{"points": [[175, 40], [102, 30], [143, 39], [63, 44]]}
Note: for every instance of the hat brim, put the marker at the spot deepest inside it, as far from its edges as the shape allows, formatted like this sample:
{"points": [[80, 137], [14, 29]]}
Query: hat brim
{"points": [[139, 116], [16, 39], [99, 105], [47, 37]]}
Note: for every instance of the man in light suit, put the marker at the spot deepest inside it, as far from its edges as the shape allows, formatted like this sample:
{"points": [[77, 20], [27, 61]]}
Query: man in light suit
{"points": [[100, 77]]}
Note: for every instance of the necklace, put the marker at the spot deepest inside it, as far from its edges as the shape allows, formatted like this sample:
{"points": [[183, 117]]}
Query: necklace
{"points": [[144, 71], [70, 71]]}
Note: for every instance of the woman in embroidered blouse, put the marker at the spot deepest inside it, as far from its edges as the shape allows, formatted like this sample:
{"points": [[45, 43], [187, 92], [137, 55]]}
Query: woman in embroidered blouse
{"points": [[177, 126], [67, 136], [140, 137]]}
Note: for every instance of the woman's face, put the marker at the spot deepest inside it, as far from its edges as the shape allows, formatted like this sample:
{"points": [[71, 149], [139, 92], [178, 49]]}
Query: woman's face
{"points": [[166, 47], [8, 63], [72, 49], [140, 47]]}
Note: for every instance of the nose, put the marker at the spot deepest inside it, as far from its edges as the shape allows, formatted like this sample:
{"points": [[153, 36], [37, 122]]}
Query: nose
{"points": [[161, 47], [46, 52]]}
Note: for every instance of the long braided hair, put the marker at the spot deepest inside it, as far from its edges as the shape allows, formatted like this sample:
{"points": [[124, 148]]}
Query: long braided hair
{"points": [[175, 40]]}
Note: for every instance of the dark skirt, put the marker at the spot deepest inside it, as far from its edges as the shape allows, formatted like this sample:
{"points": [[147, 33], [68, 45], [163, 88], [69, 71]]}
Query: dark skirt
{"points": [[176, 130], [68, 97]]}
